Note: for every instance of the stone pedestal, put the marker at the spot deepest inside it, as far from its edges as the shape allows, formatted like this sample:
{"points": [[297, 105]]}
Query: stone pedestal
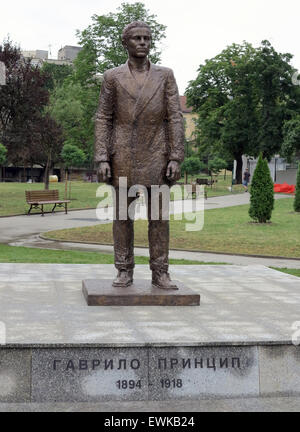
{"points": [[239, 344], [141, 293]]}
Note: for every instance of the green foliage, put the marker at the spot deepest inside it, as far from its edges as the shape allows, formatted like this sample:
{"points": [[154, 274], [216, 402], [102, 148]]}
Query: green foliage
{"points": [[291, 138], [73, 106], [3, 153], [85, 66], [278, 98], [72, 155], [55, 74], [192, 165], [262, 193], [103, 38], [242, 97], [66, 108], [216, 165], [297, 197]]}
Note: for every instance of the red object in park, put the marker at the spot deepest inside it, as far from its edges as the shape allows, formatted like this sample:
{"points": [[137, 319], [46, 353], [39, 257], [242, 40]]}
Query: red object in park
{"points": [[284, 188]]}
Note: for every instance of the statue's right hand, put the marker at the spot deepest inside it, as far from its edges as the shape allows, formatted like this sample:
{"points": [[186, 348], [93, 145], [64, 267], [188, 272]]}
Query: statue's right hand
{"points": [[104, 172]]}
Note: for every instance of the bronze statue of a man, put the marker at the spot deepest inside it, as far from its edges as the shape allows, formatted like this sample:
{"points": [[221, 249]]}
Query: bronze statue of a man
{"points": [[140, 136]]}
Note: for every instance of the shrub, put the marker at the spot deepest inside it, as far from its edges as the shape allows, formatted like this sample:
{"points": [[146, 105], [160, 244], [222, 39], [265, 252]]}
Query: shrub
{"points": [[3, 153], [262, 193], [192, 165], [297, 197]]}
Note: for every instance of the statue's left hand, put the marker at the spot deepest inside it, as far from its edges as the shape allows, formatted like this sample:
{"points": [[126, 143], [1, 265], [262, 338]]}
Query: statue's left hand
{"points": [[173, 171]]}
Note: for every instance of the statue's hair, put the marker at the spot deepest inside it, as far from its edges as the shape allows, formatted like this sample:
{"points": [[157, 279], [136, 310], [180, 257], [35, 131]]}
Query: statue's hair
{"points": [[133, 25]]}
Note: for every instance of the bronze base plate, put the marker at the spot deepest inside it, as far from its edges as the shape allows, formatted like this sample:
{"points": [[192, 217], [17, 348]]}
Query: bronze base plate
{"points": [[141, 293]]}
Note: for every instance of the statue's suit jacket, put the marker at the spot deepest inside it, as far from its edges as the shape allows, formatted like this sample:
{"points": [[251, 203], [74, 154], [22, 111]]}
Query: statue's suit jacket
{"points": [[139, 131]]}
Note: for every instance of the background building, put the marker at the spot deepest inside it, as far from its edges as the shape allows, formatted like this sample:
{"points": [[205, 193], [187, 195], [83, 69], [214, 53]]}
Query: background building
{"points": [[66, 55], [189, 118], [281, 171]]}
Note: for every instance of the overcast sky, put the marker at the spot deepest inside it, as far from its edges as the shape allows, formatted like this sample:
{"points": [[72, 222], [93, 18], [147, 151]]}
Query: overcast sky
{"points": [[197, 29]]}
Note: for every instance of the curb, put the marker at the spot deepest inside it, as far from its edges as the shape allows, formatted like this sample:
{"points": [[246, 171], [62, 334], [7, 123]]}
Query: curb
{"points": [[178, 250], [37, 214]]}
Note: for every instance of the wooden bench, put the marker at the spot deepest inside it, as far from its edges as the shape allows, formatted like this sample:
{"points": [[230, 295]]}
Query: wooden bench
{"points": [[195, 190], [206, 182], [202, 182], [37, 200]]}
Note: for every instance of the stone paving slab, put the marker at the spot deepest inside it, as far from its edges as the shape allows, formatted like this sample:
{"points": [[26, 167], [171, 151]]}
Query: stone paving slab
{"points": [[43, 304]]}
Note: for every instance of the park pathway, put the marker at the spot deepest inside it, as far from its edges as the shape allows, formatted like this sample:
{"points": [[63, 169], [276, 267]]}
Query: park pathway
{"points": [[26, 230], [18, 227]]}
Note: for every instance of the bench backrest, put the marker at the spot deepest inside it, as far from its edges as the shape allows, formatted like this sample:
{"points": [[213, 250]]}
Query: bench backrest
{"points": [[202, 182], [42, 195]]}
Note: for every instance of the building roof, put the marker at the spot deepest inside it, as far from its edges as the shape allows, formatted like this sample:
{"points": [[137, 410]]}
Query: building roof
{"points": [[184, 107]]}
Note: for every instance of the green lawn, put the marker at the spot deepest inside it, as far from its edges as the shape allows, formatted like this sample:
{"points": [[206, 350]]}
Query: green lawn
{"points": [[223, 186], [13, 196], [227, 230], [293, 272], [83, 194], [11, 254]]}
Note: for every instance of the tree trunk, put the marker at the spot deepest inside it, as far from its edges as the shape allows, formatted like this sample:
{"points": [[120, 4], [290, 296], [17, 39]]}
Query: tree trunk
{"points": [[239, 169], [46, 177], [62, 174], [66, 185], [186, 177], [70, 189]]}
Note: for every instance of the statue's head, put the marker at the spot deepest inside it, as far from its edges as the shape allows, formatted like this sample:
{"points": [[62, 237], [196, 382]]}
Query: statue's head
{"points": [[137, 38]]}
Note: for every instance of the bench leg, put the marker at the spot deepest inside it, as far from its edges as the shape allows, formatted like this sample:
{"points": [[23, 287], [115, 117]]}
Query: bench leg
{"points": [[54, 208], [29, 211], [66, 208], [43, 210]]}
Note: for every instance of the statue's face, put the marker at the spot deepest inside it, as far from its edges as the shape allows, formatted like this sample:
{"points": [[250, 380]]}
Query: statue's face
{"points": [[138, 43]]}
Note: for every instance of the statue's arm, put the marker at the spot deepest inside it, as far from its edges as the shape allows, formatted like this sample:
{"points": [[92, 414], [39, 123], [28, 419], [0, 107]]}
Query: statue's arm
{"points": [[104, 127], [175, 128]]}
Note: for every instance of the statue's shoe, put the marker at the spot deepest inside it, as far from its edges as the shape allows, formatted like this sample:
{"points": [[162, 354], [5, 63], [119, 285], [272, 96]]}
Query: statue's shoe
{"points": [[124, 279], [162, 280]]}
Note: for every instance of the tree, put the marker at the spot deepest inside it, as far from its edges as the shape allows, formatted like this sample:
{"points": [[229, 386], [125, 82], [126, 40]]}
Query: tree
{"points": [[102, 40], [291, 138], [224, 99], [191, 165], [242, 97], [262, 193], [72, 156], [66, 108], [47, 145], [55, 74], [297, 197], [276, 96], [216, 165], [73, 106], [22, 101], [3, 153]]}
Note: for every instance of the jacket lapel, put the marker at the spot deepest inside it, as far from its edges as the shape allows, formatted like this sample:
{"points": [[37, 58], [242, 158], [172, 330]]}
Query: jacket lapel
{"points": [[127, 81], [152, 84]]}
